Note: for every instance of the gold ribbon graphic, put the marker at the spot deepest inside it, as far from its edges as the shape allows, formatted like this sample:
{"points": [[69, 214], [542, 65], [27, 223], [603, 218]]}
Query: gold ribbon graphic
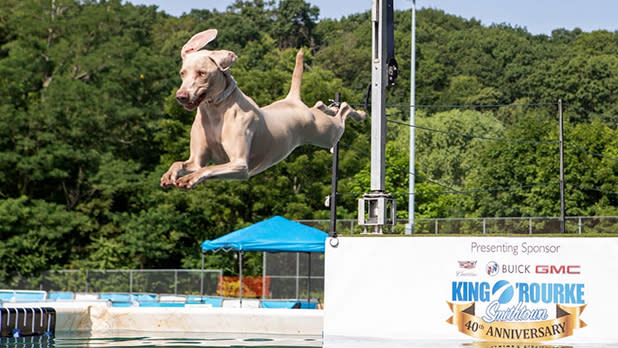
{"points": [[567, 320], [487, 344]]}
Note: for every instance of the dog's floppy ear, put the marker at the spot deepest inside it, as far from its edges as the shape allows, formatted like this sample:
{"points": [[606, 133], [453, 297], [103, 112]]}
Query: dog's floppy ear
{"points": [[223, 58], [198, 41]]}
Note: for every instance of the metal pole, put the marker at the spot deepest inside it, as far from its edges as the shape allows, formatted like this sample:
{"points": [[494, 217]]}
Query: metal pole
{"points": [[175, 282], [378, 95], [202, 279], [335, 179], [297, 275], [561, 136], [240, 276], [264, 275], [308, 279], [411, 178]]}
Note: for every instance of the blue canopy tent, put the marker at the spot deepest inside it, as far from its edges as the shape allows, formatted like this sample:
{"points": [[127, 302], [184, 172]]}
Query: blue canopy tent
{"points": [[276, 234]]}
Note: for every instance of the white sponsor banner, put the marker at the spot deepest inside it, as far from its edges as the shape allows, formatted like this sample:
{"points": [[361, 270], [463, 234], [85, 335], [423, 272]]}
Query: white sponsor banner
{"points": [[498, 289]]}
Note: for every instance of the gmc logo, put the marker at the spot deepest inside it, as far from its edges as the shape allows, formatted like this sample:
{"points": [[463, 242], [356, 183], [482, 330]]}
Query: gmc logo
{"points": [[564, 269]]}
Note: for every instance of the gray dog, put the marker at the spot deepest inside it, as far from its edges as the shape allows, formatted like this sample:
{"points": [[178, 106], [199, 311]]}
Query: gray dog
{"points": [[233, 138]]}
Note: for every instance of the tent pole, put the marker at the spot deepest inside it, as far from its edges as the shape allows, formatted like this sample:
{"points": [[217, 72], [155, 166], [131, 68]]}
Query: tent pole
{"points": [[202, 279], [263, 275], [308, 279], [240, 277], [297, 276]]}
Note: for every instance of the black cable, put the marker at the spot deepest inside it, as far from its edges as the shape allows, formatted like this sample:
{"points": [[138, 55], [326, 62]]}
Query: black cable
{"points": [[507, 188], [582, 110], [463, 106], [353, 148], [607, 117], [474, 136], [593, 189], [591, 153]]}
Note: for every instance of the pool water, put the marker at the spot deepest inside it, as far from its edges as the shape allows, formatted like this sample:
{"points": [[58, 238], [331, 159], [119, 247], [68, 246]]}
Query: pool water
{"points": [[134, 339], [157, 339]]}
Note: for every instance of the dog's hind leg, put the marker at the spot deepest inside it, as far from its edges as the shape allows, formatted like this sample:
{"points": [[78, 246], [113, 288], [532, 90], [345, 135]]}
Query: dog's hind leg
{"points": [[329, 123], [346, 111], [331, 111]]}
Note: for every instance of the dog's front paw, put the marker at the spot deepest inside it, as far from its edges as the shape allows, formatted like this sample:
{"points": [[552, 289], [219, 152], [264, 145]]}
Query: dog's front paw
{"points": [[169, 178], [187, 182], [166, 180]]}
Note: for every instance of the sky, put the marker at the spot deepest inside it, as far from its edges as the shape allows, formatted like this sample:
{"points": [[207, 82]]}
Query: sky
{"points": [[537, 16]]}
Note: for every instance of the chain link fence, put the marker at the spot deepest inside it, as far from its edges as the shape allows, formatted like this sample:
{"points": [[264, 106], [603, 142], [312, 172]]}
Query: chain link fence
{"points": [[294, 275], [498, 225], [288, 275], [160, 281]]}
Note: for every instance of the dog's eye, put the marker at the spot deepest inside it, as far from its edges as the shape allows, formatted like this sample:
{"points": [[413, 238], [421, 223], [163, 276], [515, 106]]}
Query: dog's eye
{"points": [[182, 74], [201, 73]]}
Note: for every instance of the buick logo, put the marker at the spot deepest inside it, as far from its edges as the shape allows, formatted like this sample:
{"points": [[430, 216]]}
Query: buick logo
{"points": [[492, 268]]}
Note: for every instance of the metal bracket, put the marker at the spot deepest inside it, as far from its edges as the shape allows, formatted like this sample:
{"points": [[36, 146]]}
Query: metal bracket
{"points": [[378, 210]]}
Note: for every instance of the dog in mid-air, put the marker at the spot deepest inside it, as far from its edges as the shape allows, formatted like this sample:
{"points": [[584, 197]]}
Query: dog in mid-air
{"points": [[233, 138]]}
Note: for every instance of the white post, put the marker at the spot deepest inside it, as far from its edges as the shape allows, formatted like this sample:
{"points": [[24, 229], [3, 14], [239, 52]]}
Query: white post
{"points": [[411, 179], [378, 95], [375, 203]]}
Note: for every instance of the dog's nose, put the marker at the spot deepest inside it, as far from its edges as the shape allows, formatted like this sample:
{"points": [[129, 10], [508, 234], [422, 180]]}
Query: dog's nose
{"points": [[182, 96]]}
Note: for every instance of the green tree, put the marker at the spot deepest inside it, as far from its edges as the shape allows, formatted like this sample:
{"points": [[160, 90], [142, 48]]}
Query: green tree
{"points": [[294, 23], [36, 236], [506, 174]]}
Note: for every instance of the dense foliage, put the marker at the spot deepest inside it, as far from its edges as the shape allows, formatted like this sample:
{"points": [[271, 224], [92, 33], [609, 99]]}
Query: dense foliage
{"points": [[88, 123]]}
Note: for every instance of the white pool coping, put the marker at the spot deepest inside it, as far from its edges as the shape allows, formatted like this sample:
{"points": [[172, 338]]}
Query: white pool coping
{"points": [[100, 316]]}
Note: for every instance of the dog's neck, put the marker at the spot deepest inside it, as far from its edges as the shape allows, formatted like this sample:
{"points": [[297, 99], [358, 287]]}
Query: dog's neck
{"points": [[231, 87]]}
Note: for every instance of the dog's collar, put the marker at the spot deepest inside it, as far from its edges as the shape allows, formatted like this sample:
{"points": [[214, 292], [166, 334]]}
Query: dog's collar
{"points": [[231, 86]]}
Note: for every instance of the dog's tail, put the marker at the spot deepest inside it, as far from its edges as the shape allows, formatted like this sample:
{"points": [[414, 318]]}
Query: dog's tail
{"points": [[297, 77]]}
